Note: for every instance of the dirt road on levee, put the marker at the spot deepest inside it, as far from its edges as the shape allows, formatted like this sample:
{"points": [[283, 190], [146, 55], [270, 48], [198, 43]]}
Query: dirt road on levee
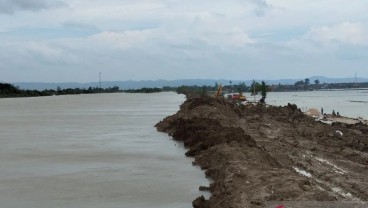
{"points": [[257, 154]]}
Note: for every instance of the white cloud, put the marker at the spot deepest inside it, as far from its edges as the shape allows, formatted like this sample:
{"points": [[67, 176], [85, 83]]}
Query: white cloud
{"points": [[346, 32], [122, 40], [151, 39], [230, 40]]}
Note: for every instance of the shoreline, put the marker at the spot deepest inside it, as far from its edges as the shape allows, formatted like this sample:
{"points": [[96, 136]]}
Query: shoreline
{"points": [[256, 154], [346, 120], [330, 119]]}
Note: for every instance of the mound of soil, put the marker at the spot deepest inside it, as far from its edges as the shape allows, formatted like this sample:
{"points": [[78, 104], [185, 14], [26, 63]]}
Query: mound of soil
{"points": [[256, 154]]}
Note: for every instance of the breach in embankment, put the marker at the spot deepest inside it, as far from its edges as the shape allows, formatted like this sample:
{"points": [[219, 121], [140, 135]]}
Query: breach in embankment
{"points": [[257, 154]]}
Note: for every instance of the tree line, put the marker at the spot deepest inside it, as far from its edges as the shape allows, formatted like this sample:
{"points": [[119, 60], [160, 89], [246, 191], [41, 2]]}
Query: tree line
{"points": [[308, 85], [144, 90], [9, 90]]}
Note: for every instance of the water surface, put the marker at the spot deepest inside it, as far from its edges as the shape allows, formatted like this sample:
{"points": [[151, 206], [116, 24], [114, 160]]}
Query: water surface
{"points": [[350, 103], [93, 151]]}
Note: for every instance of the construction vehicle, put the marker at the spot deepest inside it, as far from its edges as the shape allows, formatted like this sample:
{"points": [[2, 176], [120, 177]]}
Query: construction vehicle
{"points": [[219, 91], [239, 97]]}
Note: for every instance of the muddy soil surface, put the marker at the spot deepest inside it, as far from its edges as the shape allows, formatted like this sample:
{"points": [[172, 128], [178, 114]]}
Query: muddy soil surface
{"points": [[256, 154]]}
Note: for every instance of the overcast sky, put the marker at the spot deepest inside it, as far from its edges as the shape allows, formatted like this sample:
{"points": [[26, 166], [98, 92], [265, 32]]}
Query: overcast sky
{"points": [[74, 40]]}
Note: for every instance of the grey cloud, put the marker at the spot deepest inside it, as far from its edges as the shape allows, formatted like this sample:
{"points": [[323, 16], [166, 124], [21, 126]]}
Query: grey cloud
{"points": [[13, 6], [261, 7], [260, 3]]}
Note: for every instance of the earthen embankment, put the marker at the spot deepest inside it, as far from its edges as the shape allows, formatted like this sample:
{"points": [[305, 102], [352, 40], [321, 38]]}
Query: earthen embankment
{"points": [[256, 154]]}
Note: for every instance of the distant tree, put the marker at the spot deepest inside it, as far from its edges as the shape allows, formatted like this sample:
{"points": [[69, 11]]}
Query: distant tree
{"points": [[193, 90], [58, 90], [204, 91], [307, 81], [316, 82], [168, 88], [241, 87], [8, 89], [299, 83], [263, 92], [144, 90], [255, 88]]}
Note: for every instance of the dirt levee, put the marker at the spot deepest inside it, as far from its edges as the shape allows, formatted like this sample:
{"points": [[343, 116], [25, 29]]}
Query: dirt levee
{"points": [[256, 154]]}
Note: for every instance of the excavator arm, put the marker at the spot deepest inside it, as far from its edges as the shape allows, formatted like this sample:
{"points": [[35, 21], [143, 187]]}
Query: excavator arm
{"points": [[219, 91]]}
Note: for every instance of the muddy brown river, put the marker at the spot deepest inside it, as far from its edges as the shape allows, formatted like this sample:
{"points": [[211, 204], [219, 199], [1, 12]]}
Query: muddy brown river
{"points": [[93, 151]]}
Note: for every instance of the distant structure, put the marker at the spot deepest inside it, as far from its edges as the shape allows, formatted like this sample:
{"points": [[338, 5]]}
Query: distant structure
{"points": [[100, 80], [356, 77]]}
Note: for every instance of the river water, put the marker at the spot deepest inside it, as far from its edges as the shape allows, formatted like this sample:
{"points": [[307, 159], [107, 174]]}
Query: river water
{"points": [[93, 151], [350, 103]]}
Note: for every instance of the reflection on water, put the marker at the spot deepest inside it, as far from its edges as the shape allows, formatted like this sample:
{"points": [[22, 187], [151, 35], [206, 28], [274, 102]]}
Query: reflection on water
{"points": [[93, 151]]}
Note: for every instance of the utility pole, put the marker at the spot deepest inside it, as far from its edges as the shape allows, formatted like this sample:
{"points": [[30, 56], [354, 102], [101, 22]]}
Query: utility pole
{"points": [[100, 80]]}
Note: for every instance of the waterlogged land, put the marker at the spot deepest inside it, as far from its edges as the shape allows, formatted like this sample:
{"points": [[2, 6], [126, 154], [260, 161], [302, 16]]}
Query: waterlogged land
{"points": [[257, 154], [349, 103]]}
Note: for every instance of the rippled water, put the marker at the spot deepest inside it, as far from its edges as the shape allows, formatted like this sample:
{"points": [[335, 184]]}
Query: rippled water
{"points": [[95, 151], [350, 103]]}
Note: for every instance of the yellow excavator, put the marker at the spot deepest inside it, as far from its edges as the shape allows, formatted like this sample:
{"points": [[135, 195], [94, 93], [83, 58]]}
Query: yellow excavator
{"points": [[219, 91], [239, 97]]}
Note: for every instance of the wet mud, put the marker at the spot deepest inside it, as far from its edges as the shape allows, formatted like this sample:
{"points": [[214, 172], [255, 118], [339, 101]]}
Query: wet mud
{"points": [[256, 154]]}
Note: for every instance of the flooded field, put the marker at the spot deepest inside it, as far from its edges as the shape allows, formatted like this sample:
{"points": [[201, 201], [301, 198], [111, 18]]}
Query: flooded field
{"points": [[350, 103]]}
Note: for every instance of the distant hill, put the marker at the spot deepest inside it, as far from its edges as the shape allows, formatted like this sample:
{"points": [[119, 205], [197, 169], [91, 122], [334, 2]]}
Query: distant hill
{"points": [[121, 84], [172, 83]]}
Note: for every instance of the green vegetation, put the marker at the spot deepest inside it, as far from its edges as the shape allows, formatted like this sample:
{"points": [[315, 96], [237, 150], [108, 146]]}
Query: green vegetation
{"points": [[194, 89], [307, 81], [90, 90], [259, 87], [306, 85], [8, 90], [264, 89], [144, 90]]}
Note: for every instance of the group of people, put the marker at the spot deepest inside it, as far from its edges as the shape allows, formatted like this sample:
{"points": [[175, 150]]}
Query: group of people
{"points": [[334, 114]]}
